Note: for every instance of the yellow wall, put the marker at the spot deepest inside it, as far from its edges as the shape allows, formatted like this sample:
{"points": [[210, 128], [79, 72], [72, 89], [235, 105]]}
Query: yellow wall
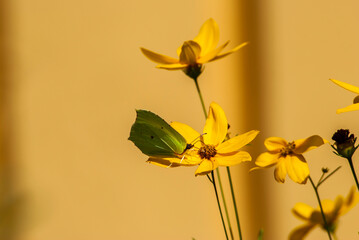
{"points": [[77, 76]]}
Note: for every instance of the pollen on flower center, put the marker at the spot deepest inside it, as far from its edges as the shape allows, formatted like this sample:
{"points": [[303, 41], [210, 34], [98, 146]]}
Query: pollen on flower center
{"points": [[207, 151], [287, 150]]}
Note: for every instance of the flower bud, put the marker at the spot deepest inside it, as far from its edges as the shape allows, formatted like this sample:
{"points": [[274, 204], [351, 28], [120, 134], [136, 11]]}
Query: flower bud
{"points": [[344, 142]]}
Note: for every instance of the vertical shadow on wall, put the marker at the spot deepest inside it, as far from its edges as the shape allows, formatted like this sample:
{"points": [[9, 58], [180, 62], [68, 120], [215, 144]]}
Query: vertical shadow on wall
{"points": [[255, 204], [10, 204]]}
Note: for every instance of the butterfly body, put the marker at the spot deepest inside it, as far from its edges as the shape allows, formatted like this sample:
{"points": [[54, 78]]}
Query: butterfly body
{"points": [[155, 137]]}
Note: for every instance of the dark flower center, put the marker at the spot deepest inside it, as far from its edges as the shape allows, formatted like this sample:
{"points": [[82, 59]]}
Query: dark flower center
{"points": [[342, 136], [287, 150], [207, 151]]}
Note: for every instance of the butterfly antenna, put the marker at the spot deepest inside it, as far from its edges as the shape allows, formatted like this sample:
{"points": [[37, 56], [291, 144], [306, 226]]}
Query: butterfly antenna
{"points": [[170, 165]]}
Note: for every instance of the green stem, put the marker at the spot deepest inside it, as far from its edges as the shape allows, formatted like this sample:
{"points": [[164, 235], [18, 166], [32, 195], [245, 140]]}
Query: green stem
{"points": [[219, 206], [234, 203], [353, 171], [224, 204], [217, 171], [321, 207]]}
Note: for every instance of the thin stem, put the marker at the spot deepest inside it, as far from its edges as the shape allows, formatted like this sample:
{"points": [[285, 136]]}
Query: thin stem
{"points": [[321, 181], [234, 203], [217, 171], [219, 205], [201, 98], [224, 204], [353, 171], [321, 207]]}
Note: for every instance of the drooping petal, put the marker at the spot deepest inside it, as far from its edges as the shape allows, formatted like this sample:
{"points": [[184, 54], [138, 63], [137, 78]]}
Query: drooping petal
{"points": [[212, 54], [346, 86], [222, 55], [280, 171], [275, 144], [350, 201], [353, 107], [237, 142], [206, 167], [297, 168], [302, 211], [300, 232], [312, 142], [187, 132], [158, 58], [164, 162], [175, 66], [267, 159], [215, 129], [190, 53], [232, 159], [208, 36]]}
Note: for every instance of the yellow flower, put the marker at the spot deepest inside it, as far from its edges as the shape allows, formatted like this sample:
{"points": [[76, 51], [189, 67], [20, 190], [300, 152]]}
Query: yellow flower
{"points": [[288, 157], [313, 217], [354, 89], [193, 53], [210, 152]]}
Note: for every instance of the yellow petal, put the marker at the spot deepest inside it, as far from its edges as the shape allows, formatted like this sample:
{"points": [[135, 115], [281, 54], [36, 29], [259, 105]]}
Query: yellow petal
{"points": [[187, 132], [267, 159], [297, 168], [232, 159], [350, 201], [353, 107], [346, 86], [208, 36], [190, 52], [300, 232], [162, 162], [215, 129], [222, 55], [302, 211], [175, 66], [212, 54], [312, 142], [280, 171], [187, 160], [206, 167], [158, 58], [237, 142], [275, 144]]}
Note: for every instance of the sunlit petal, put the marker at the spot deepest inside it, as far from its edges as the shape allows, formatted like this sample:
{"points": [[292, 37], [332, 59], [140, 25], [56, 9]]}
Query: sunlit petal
{"points": [[190, 52], [280, 171], [164, 162], [222, 55], [216, 126], [302, 211], [346, 86], [187, 132], [297, 168], [275, 144], [237, 142], [312, 142], [353, 107], [158, 58], [175, 66], [208, 36], [267, 159], [232, 159], [212, 54], [206, 167]]}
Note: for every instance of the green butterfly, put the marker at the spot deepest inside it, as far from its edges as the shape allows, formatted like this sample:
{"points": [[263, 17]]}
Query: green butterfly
{"points": [[155, 137]]}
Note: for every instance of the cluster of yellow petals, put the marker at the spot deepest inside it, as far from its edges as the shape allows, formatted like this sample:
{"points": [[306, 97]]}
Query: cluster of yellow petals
{"points": [[287, 157], [313, 217], [354, 89], [202, 49], [211, 150]]}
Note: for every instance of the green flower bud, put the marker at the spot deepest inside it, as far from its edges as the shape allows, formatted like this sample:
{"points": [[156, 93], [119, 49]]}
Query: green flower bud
{"points": [[344, 143]]}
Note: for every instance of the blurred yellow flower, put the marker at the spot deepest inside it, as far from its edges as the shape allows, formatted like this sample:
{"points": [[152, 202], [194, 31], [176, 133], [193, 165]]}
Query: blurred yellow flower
{"points": [[210, 152], [194, 53], [354, 89], [313, 217], [288, 157]]}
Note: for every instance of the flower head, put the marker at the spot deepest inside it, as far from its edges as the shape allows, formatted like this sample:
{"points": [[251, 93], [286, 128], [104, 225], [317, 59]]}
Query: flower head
{"points": [[313, 217], [211, 151], [354, 89], [193, 53], [288, 158], [344, 143]]}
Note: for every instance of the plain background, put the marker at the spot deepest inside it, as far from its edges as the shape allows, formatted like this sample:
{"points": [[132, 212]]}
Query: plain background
{"points": [[73, 76]]}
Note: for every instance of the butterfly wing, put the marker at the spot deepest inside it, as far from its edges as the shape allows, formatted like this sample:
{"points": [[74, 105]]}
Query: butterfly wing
{"points": [[155, 137]]}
